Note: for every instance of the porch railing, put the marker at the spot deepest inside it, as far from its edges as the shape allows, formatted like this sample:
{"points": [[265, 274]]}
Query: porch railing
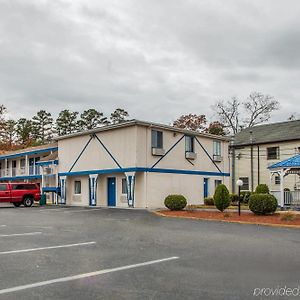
{"points": [[291, 198]]}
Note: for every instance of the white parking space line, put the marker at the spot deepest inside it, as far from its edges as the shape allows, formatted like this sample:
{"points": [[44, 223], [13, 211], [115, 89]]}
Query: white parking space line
{"points": [[53, 209], [82, 210], [47, 248], [21, 234], [2, 225], [85, 275]]}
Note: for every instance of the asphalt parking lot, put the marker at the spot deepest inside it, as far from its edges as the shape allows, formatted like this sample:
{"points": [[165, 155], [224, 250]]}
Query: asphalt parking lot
{"points": [[84, 253]]}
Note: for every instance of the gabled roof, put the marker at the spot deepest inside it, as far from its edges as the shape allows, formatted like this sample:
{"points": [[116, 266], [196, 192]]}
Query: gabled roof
{"points": [[292, 162], [143, 123], [268, 133]]}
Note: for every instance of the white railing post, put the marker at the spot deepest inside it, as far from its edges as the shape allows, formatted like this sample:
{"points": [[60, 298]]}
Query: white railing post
{"points": [[281, 189]]}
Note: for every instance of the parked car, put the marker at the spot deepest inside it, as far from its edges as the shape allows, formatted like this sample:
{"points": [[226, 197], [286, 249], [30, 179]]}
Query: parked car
{"points": [[19, 193]]}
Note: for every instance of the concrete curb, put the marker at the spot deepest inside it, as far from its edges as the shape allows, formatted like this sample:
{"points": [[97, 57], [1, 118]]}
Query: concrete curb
{"points": [[228, 221]]}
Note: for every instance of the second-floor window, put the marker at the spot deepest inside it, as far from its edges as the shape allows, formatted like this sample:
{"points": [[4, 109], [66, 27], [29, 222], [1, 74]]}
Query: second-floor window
{"points": [[157, 139], [217, 148], [273, 153], [189, 144]]}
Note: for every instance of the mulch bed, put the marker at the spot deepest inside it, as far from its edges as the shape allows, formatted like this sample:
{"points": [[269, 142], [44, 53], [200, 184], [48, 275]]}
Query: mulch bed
{"points": [[246, 217]]}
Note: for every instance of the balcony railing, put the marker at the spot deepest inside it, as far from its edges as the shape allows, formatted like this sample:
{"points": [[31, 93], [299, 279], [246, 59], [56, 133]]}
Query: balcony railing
{"points": [[12, 172]]}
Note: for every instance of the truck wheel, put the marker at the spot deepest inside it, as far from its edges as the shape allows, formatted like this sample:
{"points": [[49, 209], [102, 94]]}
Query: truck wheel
{"points": [[17, 204], [28, 201]]}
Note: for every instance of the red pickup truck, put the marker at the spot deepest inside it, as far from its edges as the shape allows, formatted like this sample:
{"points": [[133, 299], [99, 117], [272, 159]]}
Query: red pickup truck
{"points": [[19, 193]]}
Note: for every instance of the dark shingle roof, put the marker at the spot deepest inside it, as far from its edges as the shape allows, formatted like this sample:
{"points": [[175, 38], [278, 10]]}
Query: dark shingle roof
{"points": [[274, 132]]}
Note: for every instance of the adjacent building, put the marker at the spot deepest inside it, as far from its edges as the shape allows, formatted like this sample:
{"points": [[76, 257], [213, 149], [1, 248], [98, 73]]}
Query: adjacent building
{"points": [[255, 149], [131, 164]]}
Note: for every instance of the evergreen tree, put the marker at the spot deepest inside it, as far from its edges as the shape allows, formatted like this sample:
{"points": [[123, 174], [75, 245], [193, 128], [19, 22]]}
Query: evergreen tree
{"points": [[91, 119], [66, 122], [9, 134], [42, 124], [118, 116], [24, 132]]}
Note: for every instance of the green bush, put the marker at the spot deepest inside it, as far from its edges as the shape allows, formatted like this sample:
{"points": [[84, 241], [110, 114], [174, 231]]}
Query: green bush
{"points": [[245, 195], [262, 204], [209, 201], [175, 202], [221, 197], [234, 198], [262, 189]]}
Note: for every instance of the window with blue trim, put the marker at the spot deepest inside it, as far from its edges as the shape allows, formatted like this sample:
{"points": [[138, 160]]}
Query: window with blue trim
{"points": [[189, 143], [157, 139]]}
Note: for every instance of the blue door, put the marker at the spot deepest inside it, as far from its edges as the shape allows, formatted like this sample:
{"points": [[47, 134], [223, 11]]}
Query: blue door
{"points": [[205, 187], [111, 191]]}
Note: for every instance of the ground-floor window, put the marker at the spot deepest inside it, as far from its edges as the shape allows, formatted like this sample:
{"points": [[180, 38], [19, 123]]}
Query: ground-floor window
{"points": [[217, 182], [77, 187], [245, 186], [124, 186]]}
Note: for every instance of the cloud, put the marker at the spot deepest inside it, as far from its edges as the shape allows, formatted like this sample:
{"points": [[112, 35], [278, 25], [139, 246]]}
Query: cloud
{"points": [[157, 59]]}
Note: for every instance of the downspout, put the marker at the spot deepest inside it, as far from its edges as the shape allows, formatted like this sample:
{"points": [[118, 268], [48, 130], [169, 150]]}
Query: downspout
{"points": [[232, 148], [258, 165], [251, 160]]}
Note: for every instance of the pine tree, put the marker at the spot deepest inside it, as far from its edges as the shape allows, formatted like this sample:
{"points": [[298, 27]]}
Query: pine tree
{"points": [[118, 116], [42, 124], [91, 119], [24, 132], [9, 134], [66, 122]]}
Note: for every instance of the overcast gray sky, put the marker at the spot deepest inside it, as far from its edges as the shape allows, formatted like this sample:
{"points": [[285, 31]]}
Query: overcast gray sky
{"points": [[155, 58]]}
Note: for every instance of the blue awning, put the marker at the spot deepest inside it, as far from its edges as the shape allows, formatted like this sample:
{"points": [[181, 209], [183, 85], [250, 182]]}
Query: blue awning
{"points": [[292, 162]]}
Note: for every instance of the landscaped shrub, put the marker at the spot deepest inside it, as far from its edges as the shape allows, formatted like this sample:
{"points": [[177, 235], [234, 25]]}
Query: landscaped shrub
{"points": [[262, 204], [262, 189], [221, 197], [245, 195], [234, 199], [175, 202], [209, 201]]}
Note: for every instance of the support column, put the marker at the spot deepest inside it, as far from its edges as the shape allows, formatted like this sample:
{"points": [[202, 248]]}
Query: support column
{"points": [[130, 181], [63, 189], [5, 169], [93, 189], [281, 189], [26, 165]]}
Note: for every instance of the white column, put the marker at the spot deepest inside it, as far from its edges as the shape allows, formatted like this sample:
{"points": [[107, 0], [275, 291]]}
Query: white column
{"points": [[26, 165], [93, 189], [5, 168], [282, 189], [130, 181], [63, 189]]}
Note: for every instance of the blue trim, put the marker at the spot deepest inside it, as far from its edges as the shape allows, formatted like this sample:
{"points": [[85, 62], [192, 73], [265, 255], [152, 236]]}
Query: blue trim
{"points": [[168, 151], [28, 153], [142, 169], [78, 157], [50, 189], [109, 153], [22, 177], [207, 154], [47, 163]]}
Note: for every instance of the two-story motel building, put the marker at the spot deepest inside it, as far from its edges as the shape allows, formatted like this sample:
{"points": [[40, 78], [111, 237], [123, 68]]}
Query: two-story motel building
{"points": [[134, 163]]}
